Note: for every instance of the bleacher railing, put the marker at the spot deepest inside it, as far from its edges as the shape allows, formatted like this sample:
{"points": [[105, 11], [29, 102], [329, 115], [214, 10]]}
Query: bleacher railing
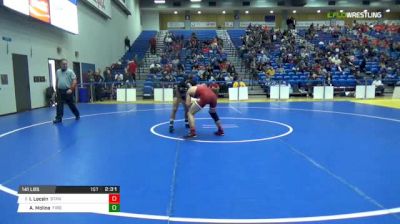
{"points": [[107, 91]]}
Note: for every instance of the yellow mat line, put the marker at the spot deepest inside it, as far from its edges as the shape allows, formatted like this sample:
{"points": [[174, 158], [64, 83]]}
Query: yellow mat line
{"points": [[384, 102], [221, 101], [392, 103]]}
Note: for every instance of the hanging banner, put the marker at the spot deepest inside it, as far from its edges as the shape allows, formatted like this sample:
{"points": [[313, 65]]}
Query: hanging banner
{"points": [[315, 22], [261, 23], [102, 6], [175, 25], [203, 24], [228, 24], [123, 5]]}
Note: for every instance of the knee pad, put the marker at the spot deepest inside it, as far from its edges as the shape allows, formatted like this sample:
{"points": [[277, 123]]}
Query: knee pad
{"points": [[214, 116]]}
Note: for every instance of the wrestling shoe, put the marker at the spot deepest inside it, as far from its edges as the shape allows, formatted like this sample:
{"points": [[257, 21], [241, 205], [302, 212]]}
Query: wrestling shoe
{"points": [[219, 132], [191, 134], [56, 121]]}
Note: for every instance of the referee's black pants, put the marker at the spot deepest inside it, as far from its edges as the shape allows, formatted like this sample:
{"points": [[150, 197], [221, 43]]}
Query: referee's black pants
{"points": [[64, 97]]}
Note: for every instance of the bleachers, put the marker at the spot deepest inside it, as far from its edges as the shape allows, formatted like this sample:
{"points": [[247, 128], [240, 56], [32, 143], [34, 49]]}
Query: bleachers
{"points": [[284, 71], [154, 80], [286, 75], [235, 36], [200, 34], [384, 35], [139, 46]]}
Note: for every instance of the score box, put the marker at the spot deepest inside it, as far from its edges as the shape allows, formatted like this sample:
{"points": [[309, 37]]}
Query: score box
{"points": [[60, 199], [114, 208], [114, 201]]}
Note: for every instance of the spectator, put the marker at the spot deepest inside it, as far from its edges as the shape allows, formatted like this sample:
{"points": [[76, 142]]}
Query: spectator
{"points": [[119, 77], [239, 83], [291, 23], [108, 79], [153, 45], [228, 78], [90, 76], [132, 67], [155, 68], [107, 75], [270, 71], [98, 87], [231, 69], [312, 81], [127, 43], [362, 65], [379, 88], [215, 87]]}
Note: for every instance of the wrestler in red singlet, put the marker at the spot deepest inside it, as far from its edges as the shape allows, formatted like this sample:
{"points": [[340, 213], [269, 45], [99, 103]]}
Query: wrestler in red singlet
{"points": [[204, 96]]}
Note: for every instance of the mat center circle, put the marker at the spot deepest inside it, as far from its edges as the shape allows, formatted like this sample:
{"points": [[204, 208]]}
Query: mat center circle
{"points": [[260, 130]]}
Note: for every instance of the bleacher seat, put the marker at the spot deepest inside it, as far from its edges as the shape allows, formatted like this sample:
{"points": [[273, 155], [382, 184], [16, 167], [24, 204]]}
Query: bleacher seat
{"points": [[148, 91], [148, 83]]}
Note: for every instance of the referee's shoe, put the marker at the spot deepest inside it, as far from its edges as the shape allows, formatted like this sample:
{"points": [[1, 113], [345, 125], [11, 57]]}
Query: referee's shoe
{"points": [[56, 121]]}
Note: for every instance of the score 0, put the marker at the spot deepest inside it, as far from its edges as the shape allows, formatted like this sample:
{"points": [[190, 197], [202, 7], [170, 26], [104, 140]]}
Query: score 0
{"points": [[114, 201]]}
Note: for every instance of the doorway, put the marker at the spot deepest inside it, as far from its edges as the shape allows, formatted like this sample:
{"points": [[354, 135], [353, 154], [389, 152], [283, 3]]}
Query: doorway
{"points": [[21, 82]]}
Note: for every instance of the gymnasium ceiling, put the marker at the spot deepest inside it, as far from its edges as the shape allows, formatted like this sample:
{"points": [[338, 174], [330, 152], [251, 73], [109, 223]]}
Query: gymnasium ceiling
{"points": [[276, 5]]}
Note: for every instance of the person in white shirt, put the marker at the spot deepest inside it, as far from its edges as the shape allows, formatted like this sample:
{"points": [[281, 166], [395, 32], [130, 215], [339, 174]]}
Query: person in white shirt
{"points": [[155, 67], [119, 77], [379, 87]]}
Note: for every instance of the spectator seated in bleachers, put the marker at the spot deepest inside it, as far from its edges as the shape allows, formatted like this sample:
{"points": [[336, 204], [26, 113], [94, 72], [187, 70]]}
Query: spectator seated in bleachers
{"points": [[214, 86], [379, 87], [270, 71], [155, 68], [238, 83], [337, 55], [199, 57]]}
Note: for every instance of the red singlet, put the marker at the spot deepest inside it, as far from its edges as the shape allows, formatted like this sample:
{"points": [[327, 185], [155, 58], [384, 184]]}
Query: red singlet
{"points": [[206, 96]]}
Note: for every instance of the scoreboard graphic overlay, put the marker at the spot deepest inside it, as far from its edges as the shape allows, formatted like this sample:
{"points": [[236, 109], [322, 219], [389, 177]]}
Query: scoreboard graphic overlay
{"points": [[65, 199]]}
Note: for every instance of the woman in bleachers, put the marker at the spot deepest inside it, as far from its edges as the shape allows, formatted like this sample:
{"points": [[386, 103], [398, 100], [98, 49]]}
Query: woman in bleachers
{"points": [[270, 71], [223, 66], [155, 67], [231, 68]]}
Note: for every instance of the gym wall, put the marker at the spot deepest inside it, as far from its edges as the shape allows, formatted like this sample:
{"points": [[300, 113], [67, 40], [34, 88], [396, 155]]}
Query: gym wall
{"points": [[150, 20], [100, 42]]}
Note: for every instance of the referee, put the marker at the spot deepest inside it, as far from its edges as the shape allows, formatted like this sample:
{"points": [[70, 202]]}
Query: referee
{"points": [[66, 84]]}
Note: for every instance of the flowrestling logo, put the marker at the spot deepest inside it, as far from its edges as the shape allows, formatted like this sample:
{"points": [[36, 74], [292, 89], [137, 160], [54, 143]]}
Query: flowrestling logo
{"points": [[364, 15], [355, 15]]}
